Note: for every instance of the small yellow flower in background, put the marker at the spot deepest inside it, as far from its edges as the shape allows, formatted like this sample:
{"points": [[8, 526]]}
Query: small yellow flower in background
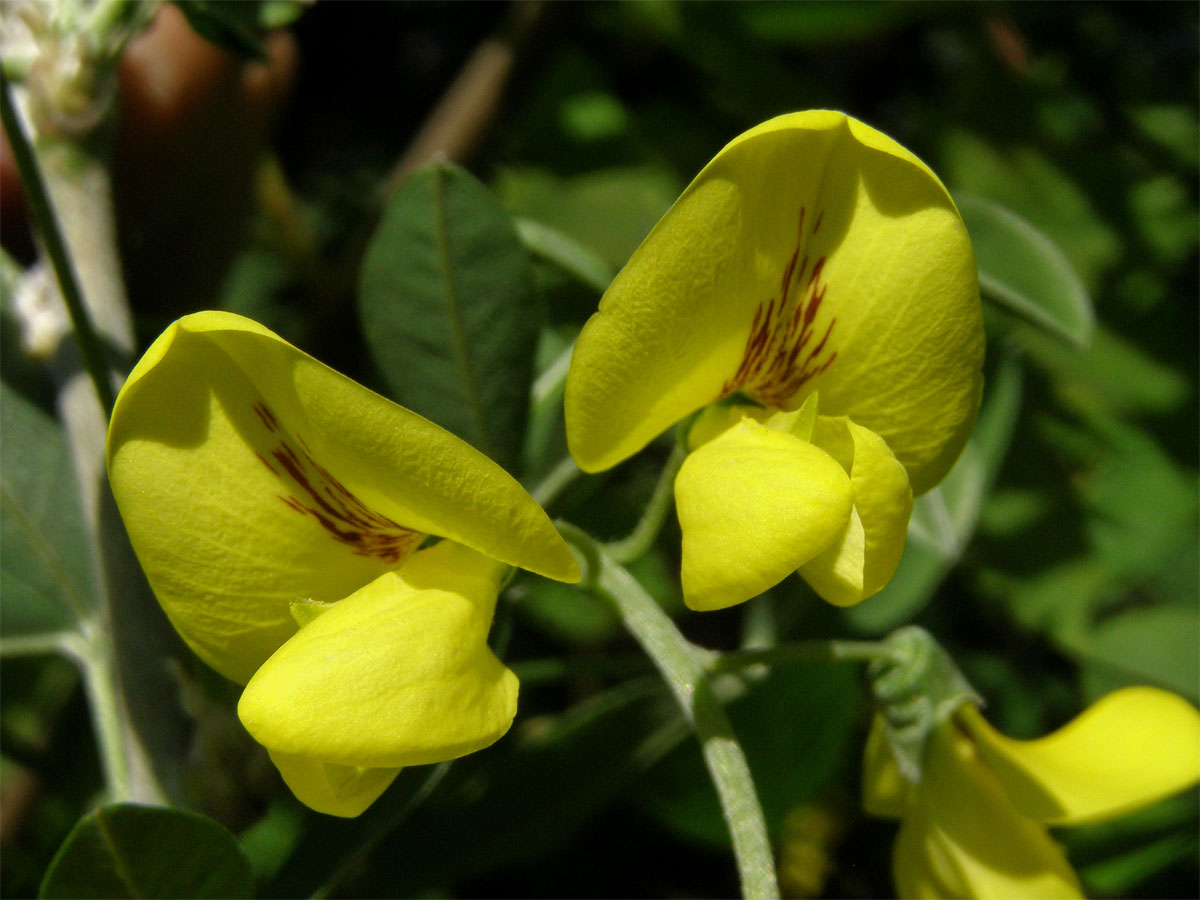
{"points": [[812, 255], [278, 509], [974, 819]]}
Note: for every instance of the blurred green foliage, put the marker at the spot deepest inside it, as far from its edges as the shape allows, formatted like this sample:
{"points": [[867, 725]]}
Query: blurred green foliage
{"points": [[1057, 563]]}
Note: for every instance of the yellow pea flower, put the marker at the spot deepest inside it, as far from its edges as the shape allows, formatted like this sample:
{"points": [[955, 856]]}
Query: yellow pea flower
{"points": [[974, 824], [278, 509], [812, 254]]}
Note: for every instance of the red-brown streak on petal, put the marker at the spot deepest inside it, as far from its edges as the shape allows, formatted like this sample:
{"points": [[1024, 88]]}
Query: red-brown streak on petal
{"points": [[334, 507], [816, 272], [774, 363], [821, 346], [262, 459], [786, 283], [266, 417]]}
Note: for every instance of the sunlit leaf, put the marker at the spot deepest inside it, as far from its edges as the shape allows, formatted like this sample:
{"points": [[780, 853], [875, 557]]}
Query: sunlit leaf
{"points": [[1028, 182], [126, 850], [1023, 271], [449, 310], [1157, 645]]}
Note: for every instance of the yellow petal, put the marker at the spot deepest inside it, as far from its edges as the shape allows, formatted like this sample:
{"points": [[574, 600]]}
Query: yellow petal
{"points": [[397, 674], [754, 504], [961, 837], [1131, 748], [334, 790], [884, 788], [811, 252], [251, 476], [867, 554]]}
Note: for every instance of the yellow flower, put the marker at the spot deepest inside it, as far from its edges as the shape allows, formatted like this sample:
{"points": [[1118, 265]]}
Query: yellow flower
{"points": [[277, 508], [975, 824], [811, 254]]}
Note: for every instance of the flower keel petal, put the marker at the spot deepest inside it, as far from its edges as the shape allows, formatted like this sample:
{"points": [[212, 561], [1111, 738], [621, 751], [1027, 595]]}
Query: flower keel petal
{"points": [[394, 675]]}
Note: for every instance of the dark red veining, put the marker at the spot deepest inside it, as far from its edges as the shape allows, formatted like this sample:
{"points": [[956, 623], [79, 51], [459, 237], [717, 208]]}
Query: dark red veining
{"points": [[317, 493], [780, 355]]}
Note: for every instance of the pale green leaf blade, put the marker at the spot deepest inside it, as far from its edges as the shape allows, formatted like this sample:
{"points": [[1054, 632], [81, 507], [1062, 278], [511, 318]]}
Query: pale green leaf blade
{"points": [[1024, 271]]}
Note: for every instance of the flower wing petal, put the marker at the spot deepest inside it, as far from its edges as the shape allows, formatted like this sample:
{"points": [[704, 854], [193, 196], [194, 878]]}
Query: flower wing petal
{"points": [[249, 476], [1131, 748], [865, 558], [335, 790], [962, 837], [394, 675], [754, 504]]}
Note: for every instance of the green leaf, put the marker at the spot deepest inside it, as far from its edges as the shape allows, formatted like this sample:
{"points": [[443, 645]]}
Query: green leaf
{"points": [[1028, 182], [449, 311], [125, 850], [1157, 644], [1025, 272], [1172, 127], [45, 567], [1114, 375]]}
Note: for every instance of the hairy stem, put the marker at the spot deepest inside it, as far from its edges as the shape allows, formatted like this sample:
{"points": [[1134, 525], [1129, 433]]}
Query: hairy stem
{"points": [[681, 666], [123, 644]]}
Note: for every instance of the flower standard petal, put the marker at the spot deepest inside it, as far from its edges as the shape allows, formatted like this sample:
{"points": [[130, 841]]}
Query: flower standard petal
{"points": [[962, 837], [812, 251], [1131, 748], [394, 675], [754, 504], [250, 476]]}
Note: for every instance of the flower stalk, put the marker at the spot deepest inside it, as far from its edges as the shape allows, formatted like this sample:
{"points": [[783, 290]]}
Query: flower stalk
{"points": [[682, 667], [91, 350]]}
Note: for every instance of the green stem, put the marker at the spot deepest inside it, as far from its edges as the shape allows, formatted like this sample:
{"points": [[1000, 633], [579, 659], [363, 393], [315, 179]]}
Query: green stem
{"points": [[140, 729], [681, 665], [38, 644], [104, 702], [90, 348], [646, 531]]}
